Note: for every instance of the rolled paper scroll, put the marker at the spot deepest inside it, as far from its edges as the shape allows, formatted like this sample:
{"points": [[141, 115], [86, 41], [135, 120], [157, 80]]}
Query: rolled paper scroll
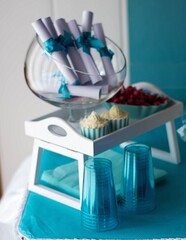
{"points": [[87, 18], [50, 26], [64, 32], [84, 52], [105, 55], [104, 86], [85, 91], [58, 55], [53, 85]]}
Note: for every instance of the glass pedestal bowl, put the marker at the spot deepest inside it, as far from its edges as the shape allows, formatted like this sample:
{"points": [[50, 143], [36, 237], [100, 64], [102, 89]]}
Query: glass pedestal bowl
{"points": [[44, 78]]}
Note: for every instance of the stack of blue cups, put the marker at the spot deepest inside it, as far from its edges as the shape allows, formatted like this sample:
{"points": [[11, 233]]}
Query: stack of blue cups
{"points": [[137, 183], [99, 205]]}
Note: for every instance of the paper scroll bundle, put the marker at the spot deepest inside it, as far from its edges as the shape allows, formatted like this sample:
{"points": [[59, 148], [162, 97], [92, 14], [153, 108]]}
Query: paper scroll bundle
{"points": [[70, 48]]}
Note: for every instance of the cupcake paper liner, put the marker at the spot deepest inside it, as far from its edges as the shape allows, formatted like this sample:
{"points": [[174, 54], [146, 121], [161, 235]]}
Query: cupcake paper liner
{"points": [[94, 133], [116, 124]]}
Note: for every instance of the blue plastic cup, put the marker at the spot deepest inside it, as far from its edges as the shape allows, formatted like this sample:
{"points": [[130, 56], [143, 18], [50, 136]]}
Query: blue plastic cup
{"points": [[137, 183], [99, 205]]}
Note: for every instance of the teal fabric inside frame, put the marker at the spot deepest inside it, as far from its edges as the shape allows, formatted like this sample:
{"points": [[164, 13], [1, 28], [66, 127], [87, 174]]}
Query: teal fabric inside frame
{"points": [[58, 172]]}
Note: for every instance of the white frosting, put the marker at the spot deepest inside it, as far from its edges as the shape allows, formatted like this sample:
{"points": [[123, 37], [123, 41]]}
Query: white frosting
{"points": [[114, 113], [93, 121]]}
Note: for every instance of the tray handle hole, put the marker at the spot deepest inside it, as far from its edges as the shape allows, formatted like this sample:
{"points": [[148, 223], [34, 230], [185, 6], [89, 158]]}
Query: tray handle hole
{"points": [[56, 130]]}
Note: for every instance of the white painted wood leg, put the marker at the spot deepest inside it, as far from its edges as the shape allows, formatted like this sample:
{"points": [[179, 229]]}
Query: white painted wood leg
{"points": [[173, 142], [173, 155]]}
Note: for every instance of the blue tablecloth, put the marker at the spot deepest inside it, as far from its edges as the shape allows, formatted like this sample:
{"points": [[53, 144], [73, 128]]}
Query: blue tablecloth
{"points": [[44, 218]]}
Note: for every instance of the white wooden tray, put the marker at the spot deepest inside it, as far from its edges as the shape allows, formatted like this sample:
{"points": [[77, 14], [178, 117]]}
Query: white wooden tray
{"points": [[55, 129]]}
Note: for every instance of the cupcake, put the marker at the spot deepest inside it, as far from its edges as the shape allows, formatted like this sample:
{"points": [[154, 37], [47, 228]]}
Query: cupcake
{"points": [[116, 117], [94, 126]]}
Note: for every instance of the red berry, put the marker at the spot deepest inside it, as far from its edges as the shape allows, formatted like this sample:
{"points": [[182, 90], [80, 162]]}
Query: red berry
{"points": [[132, 96]]}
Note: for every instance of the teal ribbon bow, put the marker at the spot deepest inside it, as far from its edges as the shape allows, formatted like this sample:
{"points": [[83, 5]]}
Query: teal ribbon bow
{"points": [[82, 43], [86, 41], [52, 45], [64, 91], [66, 40], [63, 88], [104, 51]]}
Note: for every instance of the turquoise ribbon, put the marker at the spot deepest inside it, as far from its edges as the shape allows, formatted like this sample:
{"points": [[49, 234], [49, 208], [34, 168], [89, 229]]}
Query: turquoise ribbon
{"points": [[104, 51], [100, 47], [52, 45], [64, 91], [66, 40], [86, 41], [63, 88], [61, 43], [82, 43]]}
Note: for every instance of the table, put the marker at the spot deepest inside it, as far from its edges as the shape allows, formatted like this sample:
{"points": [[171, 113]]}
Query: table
{"points": [[168, 220]]}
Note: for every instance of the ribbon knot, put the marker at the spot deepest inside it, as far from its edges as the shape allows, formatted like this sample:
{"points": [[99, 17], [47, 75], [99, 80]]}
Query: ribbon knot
{"points": [[86, 41], [52, 45], [66, 41], [104, 51], [81, 42], [63, 88]]}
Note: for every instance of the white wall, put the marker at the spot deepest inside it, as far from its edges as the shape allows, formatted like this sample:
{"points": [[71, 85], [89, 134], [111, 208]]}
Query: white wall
{"points": [[17, 103]]}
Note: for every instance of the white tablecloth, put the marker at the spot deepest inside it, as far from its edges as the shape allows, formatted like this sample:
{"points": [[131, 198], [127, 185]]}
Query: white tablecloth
{"points": [[12, 201]]}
